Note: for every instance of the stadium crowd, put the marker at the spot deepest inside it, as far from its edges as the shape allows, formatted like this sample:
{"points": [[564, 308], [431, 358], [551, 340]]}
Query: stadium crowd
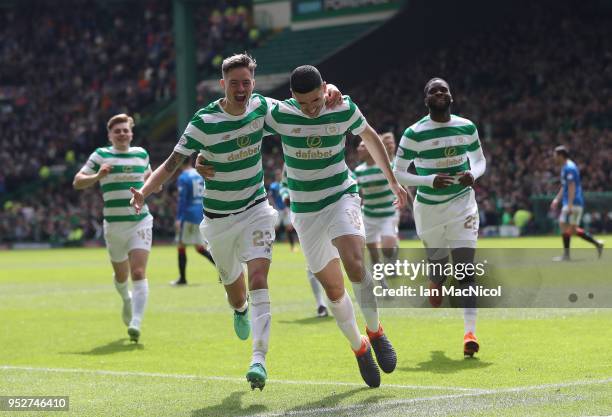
{"points": [[99, 59], [528, 86]]}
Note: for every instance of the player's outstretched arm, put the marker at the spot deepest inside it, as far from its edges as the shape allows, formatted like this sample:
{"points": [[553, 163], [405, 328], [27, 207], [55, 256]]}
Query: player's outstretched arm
{"points": [[82, 180], [376, 148], [157, 179]]}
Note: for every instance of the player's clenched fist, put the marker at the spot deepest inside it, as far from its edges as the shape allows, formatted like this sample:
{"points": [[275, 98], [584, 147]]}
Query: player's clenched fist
{"points": [[443, 180], [104, 170]]}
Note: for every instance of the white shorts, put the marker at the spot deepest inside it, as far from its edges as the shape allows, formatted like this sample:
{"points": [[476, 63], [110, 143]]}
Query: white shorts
{"points": [[283, 218], [189, 234], [239, 238], [574, 218], [376, 227], [123, 237], [447, 225], [317, 230]]}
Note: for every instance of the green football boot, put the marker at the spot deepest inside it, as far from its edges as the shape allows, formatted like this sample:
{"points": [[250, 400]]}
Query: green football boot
{"points": [[242, 324], [257, 376]]}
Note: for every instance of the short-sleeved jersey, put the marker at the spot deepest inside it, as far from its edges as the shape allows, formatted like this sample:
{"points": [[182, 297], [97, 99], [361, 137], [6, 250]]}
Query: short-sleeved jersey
{"points": [[570, 173], [129, 169], [375, 190], [275, 193], [232, 145], [314, 151], [191, 191], [436, 148]]}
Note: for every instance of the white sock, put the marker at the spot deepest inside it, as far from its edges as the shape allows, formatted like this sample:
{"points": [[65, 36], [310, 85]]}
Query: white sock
{"points": [[317, 288], [364, 294], [243, 308], [140, 293], [345, 318], [469, 320], [260, 324], [122, 289]]}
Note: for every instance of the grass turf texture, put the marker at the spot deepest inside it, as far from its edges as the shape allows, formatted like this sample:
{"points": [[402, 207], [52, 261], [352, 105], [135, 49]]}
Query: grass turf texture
{"points": [[61, 334]]}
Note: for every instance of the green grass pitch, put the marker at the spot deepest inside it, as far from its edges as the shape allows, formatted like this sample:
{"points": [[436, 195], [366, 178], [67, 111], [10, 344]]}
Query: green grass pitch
{"points": [[61, 334]]}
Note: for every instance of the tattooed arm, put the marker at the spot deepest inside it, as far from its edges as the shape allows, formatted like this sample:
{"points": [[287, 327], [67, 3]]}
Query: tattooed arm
{"points": [[162, 174]]}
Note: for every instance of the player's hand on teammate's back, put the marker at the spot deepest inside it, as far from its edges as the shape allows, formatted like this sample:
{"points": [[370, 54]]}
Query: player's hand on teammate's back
{"points": [[137, 201], [466, 179], [400, 194], [207, 171], [442, 180], [104, 170], [333, 96]]}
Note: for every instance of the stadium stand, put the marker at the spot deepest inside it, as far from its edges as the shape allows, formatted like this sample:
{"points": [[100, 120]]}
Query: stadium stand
{"points": [[526, 84]]}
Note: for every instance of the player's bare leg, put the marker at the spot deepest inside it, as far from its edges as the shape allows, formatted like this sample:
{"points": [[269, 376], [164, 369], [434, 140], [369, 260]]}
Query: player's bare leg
{"points": [[389, 248], [341, 306], [436, 281], [374, 252], [350, 248]]}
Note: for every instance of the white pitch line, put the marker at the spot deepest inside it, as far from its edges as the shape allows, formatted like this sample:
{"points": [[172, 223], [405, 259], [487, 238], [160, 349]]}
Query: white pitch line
{"points": [[228, 378], [408, 401]]}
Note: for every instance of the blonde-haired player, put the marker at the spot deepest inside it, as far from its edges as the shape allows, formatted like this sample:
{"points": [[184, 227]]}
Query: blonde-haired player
{"points": [[128, 235]]}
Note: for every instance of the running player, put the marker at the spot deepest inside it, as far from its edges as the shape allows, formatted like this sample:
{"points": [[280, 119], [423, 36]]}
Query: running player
{"points": [[448, 158], [326, 210], [127, 234], [188, 217], [238, 220], [572, 204]]}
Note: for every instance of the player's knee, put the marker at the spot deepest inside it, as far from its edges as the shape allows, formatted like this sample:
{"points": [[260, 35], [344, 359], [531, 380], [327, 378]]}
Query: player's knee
{"points": [[388, 251], [354, 266], [258, 280], [138, 273], [236, 301], [334, 292]]}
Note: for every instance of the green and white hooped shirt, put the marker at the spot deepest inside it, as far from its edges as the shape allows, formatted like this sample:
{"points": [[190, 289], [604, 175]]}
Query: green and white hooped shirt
{"points": [[232, 145], [128, 170], [377, 195], [436, 148], [314, 152]]}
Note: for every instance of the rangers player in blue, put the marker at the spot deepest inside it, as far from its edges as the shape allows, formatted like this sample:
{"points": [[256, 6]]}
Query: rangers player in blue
{"points": [[572, 203], [188, 217]]}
